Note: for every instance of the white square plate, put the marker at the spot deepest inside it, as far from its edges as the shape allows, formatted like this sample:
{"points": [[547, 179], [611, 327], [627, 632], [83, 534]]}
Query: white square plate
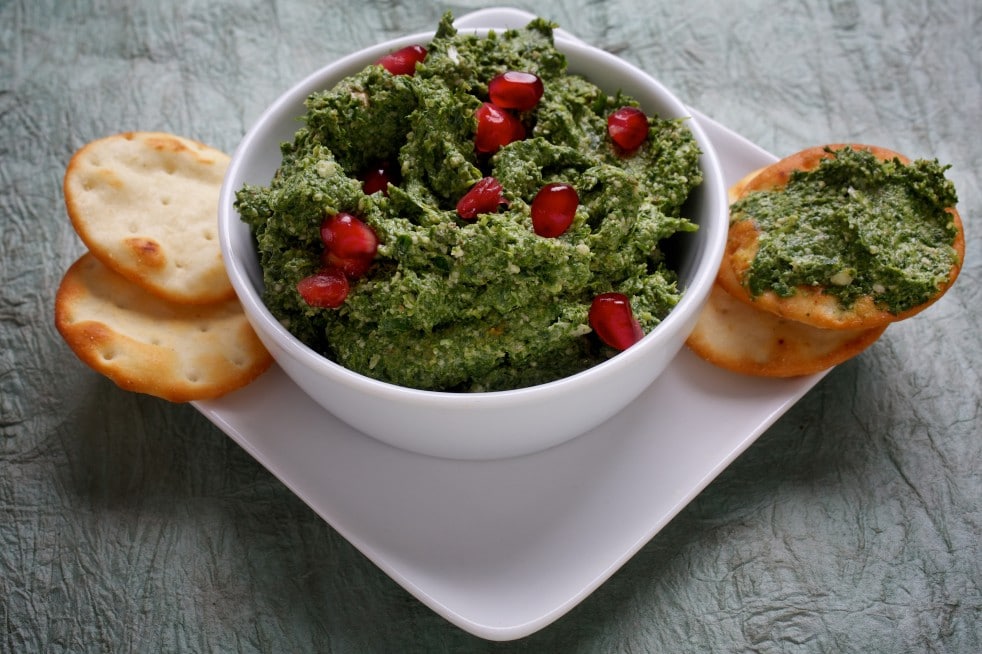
{"points": [[503, 548]]}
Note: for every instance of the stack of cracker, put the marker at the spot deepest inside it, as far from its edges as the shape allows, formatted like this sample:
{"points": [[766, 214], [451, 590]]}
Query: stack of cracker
{"points": [[149, 305], [772, 335]]}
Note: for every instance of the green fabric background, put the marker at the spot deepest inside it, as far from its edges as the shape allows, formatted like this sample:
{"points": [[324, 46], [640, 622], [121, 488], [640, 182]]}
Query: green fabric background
{"points": [[131, 525]]}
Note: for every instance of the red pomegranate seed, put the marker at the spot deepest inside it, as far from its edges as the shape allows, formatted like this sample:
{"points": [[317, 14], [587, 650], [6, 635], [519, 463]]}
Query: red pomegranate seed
{"points": [[613, 321], [403, 62], [327, 289], [628, 127], [484, 197], [353, 267], [377, 178], [515, 90], [346, 236], [553, 209], [496, 127]]}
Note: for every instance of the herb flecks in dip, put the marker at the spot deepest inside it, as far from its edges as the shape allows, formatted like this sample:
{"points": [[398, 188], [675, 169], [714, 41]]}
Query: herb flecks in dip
{"points": [[484, 303], [856, 226]]}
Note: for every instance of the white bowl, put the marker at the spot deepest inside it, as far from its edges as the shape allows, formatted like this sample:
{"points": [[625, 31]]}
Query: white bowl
{"points": [[475, 425]]}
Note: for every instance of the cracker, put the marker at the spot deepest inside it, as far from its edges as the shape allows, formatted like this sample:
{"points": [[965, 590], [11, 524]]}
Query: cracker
{"points": [[178, 352], [739, 337], [146, 204], [811, 304], [739, 189]]}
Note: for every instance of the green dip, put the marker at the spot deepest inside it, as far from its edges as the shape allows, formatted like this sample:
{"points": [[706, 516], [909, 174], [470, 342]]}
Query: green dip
{"points": [[856, 226], [487, 304]]}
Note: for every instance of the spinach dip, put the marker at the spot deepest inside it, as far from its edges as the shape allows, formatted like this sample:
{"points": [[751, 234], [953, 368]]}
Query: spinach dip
{"points": [[482, 304]]}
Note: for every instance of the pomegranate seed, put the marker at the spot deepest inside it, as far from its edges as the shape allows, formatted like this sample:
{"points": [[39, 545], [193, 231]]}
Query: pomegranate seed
{"points": [[484, 197], [353, 267], [377, 178], [346, 236], [403, 62], [613, 321], [628, 127], [553, 209], [327, 289], [515, 90], [496, 127]]}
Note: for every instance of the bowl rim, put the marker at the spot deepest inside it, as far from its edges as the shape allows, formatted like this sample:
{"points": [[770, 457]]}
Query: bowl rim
{"points": [[695, 292]]}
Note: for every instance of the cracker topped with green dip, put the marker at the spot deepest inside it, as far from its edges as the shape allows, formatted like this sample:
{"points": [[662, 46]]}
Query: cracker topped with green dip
{"points": [[844, 237], [466, 215]]}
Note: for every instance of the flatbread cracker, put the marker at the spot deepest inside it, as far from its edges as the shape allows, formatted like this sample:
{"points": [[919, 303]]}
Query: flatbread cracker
{"points": [[178, 352], [739, 337], [146, 204], [812, 305]]}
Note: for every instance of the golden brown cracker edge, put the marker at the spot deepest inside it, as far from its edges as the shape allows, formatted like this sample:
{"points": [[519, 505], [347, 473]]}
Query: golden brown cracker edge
{"points": [[148, 345], [738, 337]]}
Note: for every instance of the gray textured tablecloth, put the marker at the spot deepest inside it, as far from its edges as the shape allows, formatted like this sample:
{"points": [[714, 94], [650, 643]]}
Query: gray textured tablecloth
{"points": [[131, 524]]}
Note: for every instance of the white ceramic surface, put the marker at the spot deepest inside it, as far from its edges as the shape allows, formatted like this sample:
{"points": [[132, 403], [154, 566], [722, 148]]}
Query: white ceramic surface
{"points": [[476, 425], [504, 548]]}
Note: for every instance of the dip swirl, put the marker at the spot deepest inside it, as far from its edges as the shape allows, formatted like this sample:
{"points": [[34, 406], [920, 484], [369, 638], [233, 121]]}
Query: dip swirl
{"points": [[484, 304]]}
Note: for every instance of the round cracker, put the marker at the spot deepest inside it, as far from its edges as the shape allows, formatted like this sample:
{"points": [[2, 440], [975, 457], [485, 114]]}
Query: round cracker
{"points": [[739, 337], [146, 204], [178, 352], [809, 304]]}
